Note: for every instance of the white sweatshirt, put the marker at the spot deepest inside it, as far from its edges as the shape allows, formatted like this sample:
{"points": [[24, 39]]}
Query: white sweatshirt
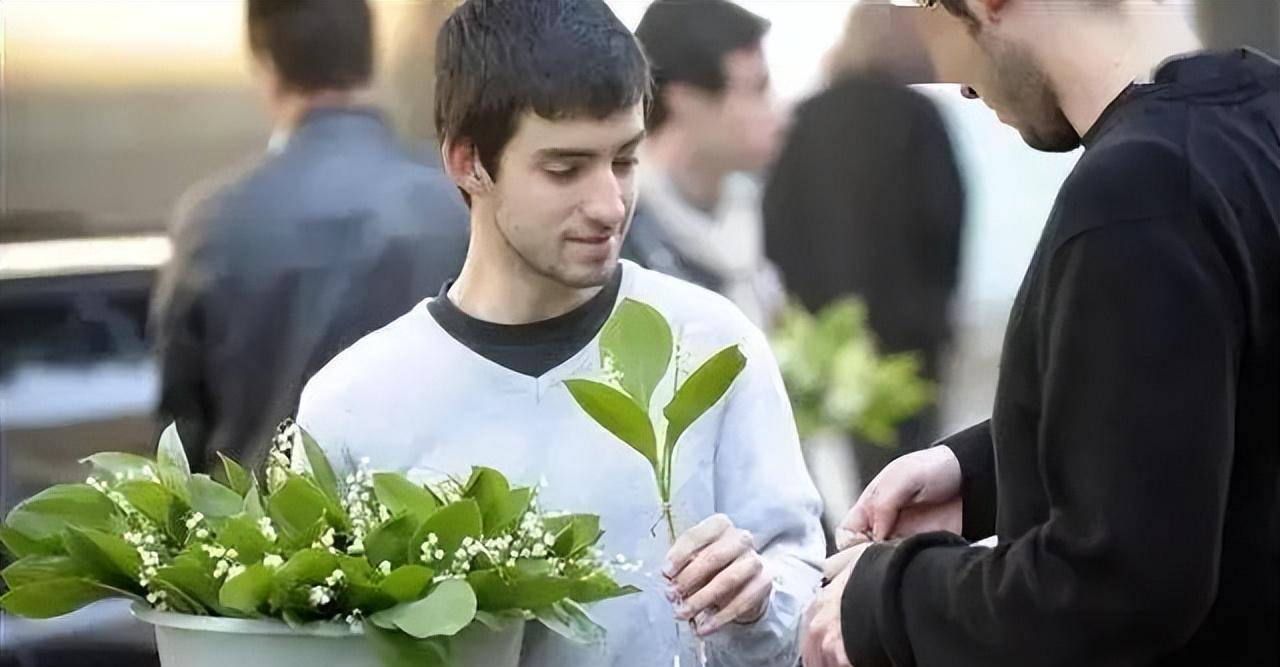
{"points": [[412, 398]]}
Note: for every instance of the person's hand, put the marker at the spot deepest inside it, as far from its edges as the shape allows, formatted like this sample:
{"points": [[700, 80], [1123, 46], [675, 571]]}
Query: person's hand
{"points": [[714, 568], [917, 493], [822, 641]]}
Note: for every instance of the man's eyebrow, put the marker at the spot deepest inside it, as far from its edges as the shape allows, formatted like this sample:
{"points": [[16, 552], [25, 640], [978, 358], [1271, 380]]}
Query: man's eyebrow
{"points": [[576, 153]]}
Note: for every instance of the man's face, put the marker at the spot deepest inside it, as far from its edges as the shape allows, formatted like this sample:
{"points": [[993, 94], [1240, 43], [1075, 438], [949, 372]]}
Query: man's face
{"points": [[996, 63], [565, 193], [739, 127]]}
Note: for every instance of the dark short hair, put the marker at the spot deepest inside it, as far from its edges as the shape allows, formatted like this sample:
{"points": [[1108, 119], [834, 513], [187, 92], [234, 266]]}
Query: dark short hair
{"points": [[687, 40], [496, 59], [314, 44]]}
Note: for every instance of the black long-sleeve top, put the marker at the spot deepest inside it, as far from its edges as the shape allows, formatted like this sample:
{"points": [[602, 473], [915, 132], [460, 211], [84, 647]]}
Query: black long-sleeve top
{"points": [[1132, 462]]}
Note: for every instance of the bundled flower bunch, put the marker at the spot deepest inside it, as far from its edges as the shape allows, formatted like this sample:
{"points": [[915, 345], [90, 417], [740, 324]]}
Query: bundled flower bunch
{"points": [[837, 379], [406, 564]]}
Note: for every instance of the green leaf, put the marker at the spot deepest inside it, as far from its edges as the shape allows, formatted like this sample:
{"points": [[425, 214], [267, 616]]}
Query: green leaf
{"points": [[530, 592], [702, 390], [396, 649], [407, 583], [490, 489], [21, 546], [402, 496], [618, 414], [499, 621], [596, 587], [389, 541], [237, 477], [245, 536], [569, 620], [196, 583], [112, 560], [54, 597], [308, 567], [213, 499], [446, 610], [171, 461], [366, 597], [248, 591], [35, 569], [130, 466], [320, 467], [512, 508], [252, 506], [48, 513], [291, 542], [451, 524], [637, 342], [297, 505], [573, 532], [155, 501]]}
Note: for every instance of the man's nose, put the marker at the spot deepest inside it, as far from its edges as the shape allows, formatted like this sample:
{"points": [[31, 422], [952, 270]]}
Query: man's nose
{"points": [[605, 203]]}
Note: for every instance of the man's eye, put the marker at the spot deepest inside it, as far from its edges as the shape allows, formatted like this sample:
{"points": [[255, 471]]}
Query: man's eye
{"points": [[561, 171], [625, 164]]}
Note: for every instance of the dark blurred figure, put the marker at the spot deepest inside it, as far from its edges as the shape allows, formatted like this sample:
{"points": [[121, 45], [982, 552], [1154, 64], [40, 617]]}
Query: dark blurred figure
{"points": [[866, 200], [712, 123], [330, 235]]}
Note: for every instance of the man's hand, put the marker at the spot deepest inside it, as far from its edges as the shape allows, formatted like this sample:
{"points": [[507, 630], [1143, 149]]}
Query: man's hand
{"points": [[917, 493], [822, 643], [714, 568]]}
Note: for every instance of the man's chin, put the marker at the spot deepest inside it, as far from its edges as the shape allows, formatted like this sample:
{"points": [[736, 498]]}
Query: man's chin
{"points": [[1059, 140], [585, 276]]}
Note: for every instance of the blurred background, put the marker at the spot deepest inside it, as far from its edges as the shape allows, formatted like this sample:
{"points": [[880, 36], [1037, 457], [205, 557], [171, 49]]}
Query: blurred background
{"points": [[110, 109]]}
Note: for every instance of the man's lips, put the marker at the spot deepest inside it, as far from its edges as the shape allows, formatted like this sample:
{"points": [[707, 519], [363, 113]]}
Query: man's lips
{"points": [[591, 240]]}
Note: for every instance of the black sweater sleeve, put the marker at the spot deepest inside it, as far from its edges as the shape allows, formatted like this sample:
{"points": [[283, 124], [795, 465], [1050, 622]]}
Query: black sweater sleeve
{"points": [[1138, 357], [976, 453]]}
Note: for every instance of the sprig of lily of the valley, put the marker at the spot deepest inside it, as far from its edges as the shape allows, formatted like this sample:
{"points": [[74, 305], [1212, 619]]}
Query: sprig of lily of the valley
{"points": [[636, 350]]}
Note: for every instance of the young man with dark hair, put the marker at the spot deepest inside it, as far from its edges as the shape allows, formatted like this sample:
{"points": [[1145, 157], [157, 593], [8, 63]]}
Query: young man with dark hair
{"points": [[1131, 467], [281, 265], [540, 111], [712, 123]]}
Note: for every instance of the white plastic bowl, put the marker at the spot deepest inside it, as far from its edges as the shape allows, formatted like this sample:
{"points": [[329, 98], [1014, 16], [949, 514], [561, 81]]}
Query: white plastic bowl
{"points": [[184, 640]]}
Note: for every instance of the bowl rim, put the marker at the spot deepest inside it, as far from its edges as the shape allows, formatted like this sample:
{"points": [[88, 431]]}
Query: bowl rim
{"points": [[243, 626]]}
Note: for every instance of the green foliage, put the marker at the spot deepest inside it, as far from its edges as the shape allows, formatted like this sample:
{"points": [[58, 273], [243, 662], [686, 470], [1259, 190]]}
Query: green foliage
{"points": [[839, 382], [411, 562]]}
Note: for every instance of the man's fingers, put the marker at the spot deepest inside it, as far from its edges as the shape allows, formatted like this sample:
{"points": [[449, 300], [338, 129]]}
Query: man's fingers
{"points": [[692, 541], [885, 506], [713, 558], [750, 600], [854, 528], [722, 589], [833, 566]]}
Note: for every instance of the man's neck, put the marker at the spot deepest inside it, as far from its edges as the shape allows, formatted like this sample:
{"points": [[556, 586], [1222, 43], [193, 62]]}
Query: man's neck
{"points": [[500, 287], [292, 108], [699, 182], [1120, 53]]}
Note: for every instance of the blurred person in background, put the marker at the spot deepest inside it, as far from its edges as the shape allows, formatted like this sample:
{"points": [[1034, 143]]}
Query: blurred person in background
{"points": [[712, 124], [1131, 467], [866, 199], [328, 236]]}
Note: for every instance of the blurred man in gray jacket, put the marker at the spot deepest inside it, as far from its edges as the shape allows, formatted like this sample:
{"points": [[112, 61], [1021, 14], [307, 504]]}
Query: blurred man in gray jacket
{"points": [[327, 237]]}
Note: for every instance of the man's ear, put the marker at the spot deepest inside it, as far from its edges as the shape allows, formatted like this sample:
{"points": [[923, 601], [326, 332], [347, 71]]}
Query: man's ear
{"points": [[683, 100], [988, 11], [462, 162]]}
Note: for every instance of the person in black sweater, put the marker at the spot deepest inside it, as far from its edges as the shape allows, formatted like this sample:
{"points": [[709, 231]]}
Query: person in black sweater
{"points": [[1131, 466]]}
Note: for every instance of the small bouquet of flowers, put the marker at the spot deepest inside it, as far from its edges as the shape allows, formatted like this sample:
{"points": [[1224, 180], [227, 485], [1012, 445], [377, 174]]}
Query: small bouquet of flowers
{"points": [[408, 566], [837, 379]]}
